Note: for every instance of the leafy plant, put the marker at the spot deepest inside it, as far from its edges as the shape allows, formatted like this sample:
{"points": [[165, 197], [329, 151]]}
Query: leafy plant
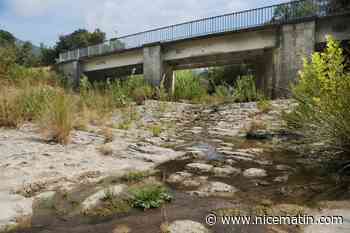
{"points": [[245, 89], [156, 130], [150, 196], [188, 87], [323, 96], [264, 105]]}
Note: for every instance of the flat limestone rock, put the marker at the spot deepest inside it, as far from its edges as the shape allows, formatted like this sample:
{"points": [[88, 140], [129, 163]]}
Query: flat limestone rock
{"points": [[199, 167], [95, 199], [214, 189], [254, 172], [226, 171], [187, 226]]}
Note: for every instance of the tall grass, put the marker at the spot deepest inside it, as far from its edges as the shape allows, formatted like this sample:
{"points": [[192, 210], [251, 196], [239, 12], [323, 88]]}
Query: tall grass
{"points": [[11, 113], [245, 89], [188, 87], [58, 119]]}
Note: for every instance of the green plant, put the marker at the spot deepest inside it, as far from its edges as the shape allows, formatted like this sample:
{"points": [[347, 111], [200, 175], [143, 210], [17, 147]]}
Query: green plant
{"points": [[58, 118], [140, 94], [156, 130], [134, 176], [150, 196], [323, 97], [264, 105], [188, 87], [223, 91], [245, 89]]}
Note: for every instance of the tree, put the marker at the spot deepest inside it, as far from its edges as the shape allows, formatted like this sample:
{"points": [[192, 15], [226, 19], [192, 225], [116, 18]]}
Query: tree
{"points": [[48, 55], [295, 10], [79, 39], [339, 5], [6, 38], [25, 56]]}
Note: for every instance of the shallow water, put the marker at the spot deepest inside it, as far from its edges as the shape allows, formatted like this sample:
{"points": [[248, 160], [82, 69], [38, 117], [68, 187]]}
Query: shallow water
{"points": [[306, 186]]}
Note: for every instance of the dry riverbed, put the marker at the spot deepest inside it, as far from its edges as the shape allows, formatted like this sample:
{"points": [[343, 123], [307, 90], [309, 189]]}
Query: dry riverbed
{"points": [[227, 159]]}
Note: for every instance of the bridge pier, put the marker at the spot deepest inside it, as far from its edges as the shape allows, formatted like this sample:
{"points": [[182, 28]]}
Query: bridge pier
{"points": [[72, 72], [295, 41], [153, 66]]}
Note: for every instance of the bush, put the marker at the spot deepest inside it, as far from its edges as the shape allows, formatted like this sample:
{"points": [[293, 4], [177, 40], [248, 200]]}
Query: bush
{"points": [[245, 89], [323, 96], [58, 118], [150, 196], [188, 87]]}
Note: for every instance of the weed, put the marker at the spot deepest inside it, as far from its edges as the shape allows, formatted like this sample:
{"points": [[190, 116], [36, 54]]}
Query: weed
{"points": [[134, 176], [150, 196], [264, 105], [107, 134], [156, 130], [105, 149]]}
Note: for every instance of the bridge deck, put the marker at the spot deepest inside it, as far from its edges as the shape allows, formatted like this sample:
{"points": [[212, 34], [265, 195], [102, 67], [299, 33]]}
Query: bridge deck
{"points": [[270, 15]]}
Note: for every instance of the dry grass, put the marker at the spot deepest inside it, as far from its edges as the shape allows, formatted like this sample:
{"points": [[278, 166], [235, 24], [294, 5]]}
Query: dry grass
{"points": [[10, 111], [164, 227], [256, 125], [58, 120], [105, 149], [107, 133]]}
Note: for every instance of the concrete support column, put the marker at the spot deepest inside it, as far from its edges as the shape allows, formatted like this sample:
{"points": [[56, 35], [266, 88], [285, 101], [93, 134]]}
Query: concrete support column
{"points": [[296, 41], [264, 69], [169, 79], [153, 64], [72, 71]]}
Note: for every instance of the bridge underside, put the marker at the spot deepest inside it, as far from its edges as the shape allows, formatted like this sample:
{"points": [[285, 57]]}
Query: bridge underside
{"points": [[275, 52]]}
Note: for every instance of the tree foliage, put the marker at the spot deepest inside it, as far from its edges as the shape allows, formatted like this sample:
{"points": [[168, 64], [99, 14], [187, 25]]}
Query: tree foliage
{"points": [[295, 10], [6, 38], [79, 39]]}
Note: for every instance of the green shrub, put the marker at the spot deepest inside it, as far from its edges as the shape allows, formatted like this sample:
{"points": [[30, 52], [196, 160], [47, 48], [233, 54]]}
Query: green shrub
{"points": [[245, 89], [150, 196], [188, 87], [323, 96]]}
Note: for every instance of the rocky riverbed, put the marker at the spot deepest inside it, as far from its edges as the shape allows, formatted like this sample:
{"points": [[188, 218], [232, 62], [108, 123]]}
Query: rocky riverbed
{"points": [[229, 159]]}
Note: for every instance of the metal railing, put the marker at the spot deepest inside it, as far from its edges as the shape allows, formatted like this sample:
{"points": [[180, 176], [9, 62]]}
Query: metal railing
{"points": [[269, 15]]}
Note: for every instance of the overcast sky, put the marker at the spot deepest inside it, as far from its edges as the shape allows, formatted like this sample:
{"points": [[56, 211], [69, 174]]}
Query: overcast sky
{"points": [[44, 20]]}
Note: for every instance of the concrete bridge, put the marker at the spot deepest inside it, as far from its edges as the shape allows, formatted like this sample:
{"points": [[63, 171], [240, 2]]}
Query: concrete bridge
{"points": [[273, 39]]}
